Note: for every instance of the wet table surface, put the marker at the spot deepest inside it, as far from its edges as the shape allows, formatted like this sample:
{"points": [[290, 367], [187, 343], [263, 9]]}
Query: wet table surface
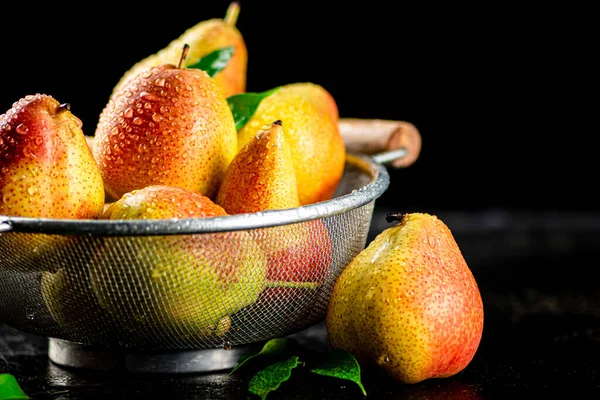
{"points": [[541, 336]]}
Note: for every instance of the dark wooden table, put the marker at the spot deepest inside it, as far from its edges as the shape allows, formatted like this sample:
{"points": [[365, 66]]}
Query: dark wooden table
{"points": [[541, 336]]}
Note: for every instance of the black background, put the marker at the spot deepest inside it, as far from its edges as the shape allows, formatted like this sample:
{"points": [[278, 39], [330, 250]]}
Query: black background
{"points": [[500, 93]]}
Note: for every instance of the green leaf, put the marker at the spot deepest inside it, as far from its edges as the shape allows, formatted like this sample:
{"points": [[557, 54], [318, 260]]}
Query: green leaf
{"points": [[341, 364], [244, 105], [10, 389], [270, 378], [271, 348], [214, 62]]}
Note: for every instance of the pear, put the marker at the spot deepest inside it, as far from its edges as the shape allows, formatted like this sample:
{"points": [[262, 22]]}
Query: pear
{"points": [[46, 171], [46, 167], [261, 175], [316, 94], [317, 146], [203, 38], [408, 303], [168, 125], [184, 284]]}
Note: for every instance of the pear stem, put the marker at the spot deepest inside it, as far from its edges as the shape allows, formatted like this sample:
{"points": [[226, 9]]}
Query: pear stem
{"points": [[184, 53], [293, 285], [391, 217], [63, 107], [232, 13]]}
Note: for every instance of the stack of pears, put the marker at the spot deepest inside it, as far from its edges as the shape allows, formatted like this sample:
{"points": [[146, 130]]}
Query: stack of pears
{"points": [[170, 144]]}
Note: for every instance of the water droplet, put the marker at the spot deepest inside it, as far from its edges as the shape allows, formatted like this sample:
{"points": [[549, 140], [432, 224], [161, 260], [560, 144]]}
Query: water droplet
{"points": [[156, 117], [164, 110], [77, 122], [38, 141], [159, 82], [22, 129], [121, 136], [1, 141], [431, 241], [4, 170], [149, 97], [32, 190], [138, 121], [154, 160], [227, 345], [128, 113], [184, 155]]}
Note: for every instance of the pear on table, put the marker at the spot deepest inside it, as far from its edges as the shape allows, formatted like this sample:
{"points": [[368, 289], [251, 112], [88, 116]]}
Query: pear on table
{"points": [[408, 303], [168, 125], [203, 38]]}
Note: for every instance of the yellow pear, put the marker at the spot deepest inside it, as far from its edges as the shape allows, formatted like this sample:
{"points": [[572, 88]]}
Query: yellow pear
{"points": [[408, 303], [203, 38], [316, 94], [168, 125], [317, 147]]}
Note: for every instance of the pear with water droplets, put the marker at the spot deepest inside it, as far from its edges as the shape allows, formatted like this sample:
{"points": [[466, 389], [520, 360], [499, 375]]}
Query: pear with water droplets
{"points": [[261, 177], [46, 167], [203, 38], [168, 125], [187, 285], [408, 303], [317, 146]]}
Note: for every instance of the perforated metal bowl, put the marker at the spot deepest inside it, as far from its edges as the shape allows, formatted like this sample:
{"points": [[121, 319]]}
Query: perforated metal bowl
{"points": [[183, 285]]}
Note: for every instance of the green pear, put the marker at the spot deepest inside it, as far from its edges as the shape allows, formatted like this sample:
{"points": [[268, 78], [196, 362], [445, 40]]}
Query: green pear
{"points": [[408, 303], [189, 284]]}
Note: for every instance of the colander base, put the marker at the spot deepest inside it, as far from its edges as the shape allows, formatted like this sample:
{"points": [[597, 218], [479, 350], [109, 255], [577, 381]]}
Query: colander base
{"points": [[76, 355]]}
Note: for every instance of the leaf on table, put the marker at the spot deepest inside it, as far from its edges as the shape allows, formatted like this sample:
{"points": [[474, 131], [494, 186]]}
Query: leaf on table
{"points": [[10, 389], [214, 62], [269, 379], [340, 364], [244, 105], [271, 348]]}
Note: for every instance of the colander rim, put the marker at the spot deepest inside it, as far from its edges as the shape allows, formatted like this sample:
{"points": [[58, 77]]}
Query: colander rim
{"points": [[175, 226]]}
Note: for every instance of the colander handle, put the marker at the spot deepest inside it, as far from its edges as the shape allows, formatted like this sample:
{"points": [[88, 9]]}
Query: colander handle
{"points": [[397, 143]]}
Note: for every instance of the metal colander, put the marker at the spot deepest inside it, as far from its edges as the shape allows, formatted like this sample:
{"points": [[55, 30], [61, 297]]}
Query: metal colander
{"points": [[187, 284]]}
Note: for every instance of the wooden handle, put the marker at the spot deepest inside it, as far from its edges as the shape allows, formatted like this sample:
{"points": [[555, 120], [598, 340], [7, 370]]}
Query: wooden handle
{"points": [[373, 136]]}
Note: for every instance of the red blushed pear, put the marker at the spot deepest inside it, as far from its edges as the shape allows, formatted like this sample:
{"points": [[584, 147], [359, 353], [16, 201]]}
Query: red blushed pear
{"points": [[262, 177], [46, 167], [168, 125], [46, 171], [408, 303]]}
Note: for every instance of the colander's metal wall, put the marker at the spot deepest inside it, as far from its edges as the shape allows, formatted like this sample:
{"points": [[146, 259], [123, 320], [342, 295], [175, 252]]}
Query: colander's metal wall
{"points": [[174, 292]]}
